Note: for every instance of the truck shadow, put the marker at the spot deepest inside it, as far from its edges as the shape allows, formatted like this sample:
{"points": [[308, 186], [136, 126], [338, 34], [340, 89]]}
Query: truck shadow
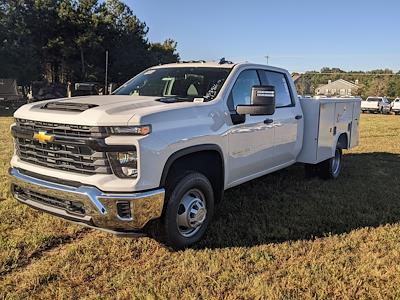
{"points": [[285, 206]]}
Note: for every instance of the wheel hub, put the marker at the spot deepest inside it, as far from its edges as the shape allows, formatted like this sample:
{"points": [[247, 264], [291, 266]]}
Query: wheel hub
{"points": [[197, 213], [192, 213]]}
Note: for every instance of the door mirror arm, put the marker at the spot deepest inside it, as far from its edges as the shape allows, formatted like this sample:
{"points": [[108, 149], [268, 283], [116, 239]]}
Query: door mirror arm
{"points": [[237, 118]]}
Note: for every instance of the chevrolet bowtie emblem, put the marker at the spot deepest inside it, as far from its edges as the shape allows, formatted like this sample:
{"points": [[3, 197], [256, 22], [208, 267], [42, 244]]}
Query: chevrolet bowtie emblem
{"points": [[42, 137]]}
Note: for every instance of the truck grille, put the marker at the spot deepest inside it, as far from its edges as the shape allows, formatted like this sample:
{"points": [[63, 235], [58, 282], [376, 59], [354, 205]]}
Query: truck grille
{"points": [[60, 129], [68, 151]]}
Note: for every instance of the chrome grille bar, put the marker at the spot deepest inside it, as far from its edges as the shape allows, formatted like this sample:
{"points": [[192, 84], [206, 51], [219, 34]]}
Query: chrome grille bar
{"points": [[68, 151], [62, 129]]}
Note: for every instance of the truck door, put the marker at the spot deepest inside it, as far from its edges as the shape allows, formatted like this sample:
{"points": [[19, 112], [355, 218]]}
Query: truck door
{"points": [[251, 142], [288, 119]]}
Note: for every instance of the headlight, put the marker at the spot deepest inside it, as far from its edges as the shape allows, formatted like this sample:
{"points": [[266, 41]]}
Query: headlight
{"points": [[131, 130], [124, 164]]}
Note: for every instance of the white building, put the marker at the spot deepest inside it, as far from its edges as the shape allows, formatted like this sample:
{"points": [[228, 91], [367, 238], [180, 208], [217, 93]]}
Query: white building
{"points": [[339, 87]]}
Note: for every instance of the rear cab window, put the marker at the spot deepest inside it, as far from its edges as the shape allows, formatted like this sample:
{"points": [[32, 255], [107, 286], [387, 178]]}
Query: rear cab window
{"points": [[241, 90], [283, 96]]}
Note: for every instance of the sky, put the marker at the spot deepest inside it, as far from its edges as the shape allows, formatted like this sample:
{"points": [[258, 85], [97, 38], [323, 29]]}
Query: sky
{"points": [[296, 35]]}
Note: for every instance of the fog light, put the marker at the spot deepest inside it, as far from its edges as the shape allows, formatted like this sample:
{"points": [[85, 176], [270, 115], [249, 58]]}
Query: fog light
{"points": [[129, 172], [124, 210], [126, 157]]}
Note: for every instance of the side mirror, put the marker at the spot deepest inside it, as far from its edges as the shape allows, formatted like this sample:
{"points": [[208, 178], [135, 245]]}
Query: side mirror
{"points": [[262, 102]]}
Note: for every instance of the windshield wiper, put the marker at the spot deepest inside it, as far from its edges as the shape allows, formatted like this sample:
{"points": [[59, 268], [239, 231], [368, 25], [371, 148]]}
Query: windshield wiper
{"points": [[174, 99]]}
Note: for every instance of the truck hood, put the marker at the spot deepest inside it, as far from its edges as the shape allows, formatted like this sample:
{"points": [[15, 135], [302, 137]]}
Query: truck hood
{"points": [[109, 110]]}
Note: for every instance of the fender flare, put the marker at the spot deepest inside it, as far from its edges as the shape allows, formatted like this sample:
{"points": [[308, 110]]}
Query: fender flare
{"points": [[337, 140], [189, 150]]}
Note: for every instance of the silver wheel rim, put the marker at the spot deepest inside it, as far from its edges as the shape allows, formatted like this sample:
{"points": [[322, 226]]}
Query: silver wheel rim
{"points": [[192, 213], [336, 162]]}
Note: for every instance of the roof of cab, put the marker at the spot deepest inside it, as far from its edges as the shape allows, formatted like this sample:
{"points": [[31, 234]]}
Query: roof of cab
{"points": [[213, 64], [208, 64]]}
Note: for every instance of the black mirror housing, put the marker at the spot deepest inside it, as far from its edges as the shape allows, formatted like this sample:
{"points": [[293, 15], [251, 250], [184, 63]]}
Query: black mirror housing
{"points": [[262, 102]]}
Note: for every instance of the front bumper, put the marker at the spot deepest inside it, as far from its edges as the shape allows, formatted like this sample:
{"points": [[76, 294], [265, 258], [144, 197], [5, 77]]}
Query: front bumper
{"points": [[88, 205], [370, 109]]}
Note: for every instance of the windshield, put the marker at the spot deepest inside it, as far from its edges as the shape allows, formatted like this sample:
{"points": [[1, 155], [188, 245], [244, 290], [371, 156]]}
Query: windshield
{"points": [[182, 83], [374, 99]]}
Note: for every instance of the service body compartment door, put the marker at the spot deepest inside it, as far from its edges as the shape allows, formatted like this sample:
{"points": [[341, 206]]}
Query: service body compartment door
{"points": [[325, 120], [355, 130], [344, 116], [308, 153], [326, 131]]}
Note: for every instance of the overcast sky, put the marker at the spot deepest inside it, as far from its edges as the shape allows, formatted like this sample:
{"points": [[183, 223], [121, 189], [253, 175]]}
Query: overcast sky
{"points": [[296, 35]]}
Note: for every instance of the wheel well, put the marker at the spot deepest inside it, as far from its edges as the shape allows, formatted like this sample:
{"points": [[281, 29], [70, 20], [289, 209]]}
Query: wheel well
{"points": [[208, 162], [343, 141]]}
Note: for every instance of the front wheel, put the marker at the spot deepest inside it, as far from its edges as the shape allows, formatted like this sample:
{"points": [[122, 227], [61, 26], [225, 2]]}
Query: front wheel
{"points": [[330, 169], [189, 209]]}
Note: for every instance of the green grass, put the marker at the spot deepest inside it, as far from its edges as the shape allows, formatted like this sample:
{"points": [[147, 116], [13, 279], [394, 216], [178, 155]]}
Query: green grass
{"points": [[278, 237]]}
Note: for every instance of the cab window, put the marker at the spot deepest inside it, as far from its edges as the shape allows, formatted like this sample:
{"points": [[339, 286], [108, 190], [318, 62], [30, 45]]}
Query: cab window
{"points": [[283, 97], [241, 91]]}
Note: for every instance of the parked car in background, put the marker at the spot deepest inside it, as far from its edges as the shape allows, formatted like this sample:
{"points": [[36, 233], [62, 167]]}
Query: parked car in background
{"points": [[86, 89], [42, 90], [395, 106], [11, 97], [376, 104]]}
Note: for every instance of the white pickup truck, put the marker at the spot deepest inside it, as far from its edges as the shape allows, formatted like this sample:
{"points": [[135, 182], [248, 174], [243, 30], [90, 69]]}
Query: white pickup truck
{"points": [[395, 106], [157, 155], [376, 104]]}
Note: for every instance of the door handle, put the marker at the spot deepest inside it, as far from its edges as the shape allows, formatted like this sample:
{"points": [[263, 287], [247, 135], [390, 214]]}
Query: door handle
{"points": [[268, 121], [298, 117]]}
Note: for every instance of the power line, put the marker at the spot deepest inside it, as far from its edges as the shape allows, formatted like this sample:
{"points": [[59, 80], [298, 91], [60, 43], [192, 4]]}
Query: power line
{"points": [[106, 76]]}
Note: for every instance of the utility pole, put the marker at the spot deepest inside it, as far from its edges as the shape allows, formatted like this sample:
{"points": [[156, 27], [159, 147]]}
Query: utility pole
{"points": [[106, 77], [267, 57]]}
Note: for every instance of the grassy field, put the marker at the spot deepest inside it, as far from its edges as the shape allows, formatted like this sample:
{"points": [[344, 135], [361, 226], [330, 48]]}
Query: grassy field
{"points": [[278, 237]]}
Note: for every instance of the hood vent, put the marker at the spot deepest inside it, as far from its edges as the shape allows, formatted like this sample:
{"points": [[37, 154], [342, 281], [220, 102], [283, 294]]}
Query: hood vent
{"points": [[68, 106]]}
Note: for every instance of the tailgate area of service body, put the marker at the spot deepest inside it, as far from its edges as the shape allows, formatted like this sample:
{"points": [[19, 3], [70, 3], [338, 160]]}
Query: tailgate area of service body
{"points": [[324, 121]]}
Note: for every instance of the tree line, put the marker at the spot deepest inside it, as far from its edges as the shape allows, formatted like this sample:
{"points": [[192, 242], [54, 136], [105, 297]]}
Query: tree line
{"points": [[380, 82], [62, 41]]}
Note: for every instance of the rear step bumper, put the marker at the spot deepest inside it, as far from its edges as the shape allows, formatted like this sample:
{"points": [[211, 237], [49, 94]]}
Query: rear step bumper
{"points": [[118, 213]]}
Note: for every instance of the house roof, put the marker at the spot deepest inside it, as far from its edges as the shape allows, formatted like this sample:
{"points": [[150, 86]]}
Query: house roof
{"points": [[296, 77], [339, 82]]}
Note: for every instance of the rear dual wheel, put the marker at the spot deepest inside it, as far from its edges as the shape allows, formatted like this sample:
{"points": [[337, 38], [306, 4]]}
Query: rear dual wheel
{"points": [[328, 169]]}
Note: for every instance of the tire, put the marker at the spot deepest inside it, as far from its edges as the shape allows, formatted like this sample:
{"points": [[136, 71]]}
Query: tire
{"points": [[179, 227], [330, 169]]}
